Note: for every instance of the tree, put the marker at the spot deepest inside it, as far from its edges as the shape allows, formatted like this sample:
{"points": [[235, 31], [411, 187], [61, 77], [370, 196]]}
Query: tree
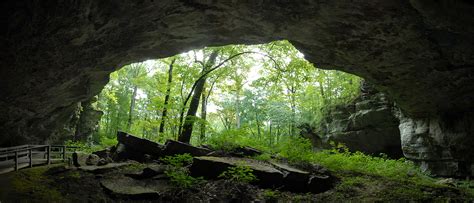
{"points": [[193, 106], [167, 97]]}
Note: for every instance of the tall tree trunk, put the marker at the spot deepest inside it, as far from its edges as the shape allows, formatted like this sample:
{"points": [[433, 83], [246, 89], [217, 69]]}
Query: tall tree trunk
{"points": [[185, 135], [190, 116], [132, 106], [167, 98]]}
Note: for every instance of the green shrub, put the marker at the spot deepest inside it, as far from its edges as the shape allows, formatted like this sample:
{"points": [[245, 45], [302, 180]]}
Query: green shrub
{"points": [[89, 148], [180, 177], [271, 194], [178, 160], [295, 149], [241, 174], [178, 173]]}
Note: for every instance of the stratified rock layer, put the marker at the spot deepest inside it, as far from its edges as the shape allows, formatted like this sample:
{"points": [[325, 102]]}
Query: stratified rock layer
{"points": [[56, 54], [443, 147], [367, 124]]}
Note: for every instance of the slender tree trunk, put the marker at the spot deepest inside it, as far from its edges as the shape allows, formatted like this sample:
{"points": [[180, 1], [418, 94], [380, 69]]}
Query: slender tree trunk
{"points": [[258, 124], [132, 106], [237, 108], [167, 98], [181, 118], [278, 134], [271, 137], [203, 115]]}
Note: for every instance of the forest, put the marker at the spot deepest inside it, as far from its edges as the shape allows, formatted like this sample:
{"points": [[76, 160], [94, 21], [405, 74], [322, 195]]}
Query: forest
{"points": [[257, 94]]}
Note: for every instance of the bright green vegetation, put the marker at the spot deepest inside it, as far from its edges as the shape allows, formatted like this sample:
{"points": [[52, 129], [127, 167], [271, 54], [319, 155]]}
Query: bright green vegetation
{"points": [[240, 174], [178, 173], [179, 160], [264, 91]]}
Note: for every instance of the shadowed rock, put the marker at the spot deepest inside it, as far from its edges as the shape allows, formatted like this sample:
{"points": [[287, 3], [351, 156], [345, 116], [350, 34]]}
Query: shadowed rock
{"points": [[135, 148], [136, 189], [104, 168], [270, 175], [173, 147]]}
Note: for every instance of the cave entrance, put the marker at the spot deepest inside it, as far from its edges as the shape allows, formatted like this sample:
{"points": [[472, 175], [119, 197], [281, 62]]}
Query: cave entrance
{"points": [[250, 94]]}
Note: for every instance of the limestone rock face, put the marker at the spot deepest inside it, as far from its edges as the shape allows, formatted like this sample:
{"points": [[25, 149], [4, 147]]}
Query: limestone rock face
{"points": [[367, 125], [88, 121], [442, 146]]}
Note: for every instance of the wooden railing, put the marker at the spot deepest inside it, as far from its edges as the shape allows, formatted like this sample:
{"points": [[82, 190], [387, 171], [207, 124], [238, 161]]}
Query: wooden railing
{"points": [[15, 158]]}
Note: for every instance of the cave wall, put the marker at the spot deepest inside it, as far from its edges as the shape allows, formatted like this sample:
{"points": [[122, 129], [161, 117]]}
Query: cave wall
{"points": [[441, 145], [366, 124], [58, 53]]}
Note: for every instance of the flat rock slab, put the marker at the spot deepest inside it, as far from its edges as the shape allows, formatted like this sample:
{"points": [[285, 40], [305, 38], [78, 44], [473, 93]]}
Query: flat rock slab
{"points": [[104, 168], [173, 147], [270, 174], [150, 171], [211, 167], [128, 187]]}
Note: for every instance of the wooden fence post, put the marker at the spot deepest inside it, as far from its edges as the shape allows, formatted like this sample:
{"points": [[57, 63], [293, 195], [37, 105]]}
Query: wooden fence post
{"points": [[16, 160], [48, 148], [64, 153], [31, 157]]}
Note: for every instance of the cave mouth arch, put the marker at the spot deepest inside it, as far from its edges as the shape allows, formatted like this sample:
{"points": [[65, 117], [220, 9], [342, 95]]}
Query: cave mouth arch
{"points": [[56, 55], [305, 111]]}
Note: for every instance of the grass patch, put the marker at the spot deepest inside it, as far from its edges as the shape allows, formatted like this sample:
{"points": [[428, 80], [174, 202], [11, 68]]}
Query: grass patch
{"points": [[33, 184]]}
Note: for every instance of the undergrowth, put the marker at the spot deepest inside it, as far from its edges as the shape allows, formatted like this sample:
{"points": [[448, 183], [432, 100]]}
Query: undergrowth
{"points": [[179, 173], [299, 150], [239, 174]]}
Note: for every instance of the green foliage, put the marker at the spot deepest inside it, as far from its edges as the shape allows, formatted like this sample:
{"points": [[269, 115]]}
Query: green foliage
{"points": [[180, 177], [90, 147], [295, 149], [240, 174], [263, 94], [178, 160], [178, 173], [271, 195]]}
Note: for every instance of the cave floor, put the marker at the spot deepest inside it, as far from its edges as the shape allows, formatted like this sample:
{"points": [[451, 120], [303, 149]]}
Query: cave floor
{"points": [[61, 183]]}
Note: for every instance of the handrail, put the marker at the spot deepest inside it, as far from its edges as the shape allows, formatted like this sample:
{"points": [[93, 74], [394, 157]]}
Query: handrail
{"points": [[27, 150], [37, 147], [15, 147]]}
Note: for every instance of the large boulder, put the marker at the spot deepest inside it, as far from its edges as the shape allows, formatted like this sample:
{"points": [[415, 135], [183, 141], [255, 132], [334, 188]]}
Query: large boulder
{"points": [[269, 175], [135, 148], [92, 160]]}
